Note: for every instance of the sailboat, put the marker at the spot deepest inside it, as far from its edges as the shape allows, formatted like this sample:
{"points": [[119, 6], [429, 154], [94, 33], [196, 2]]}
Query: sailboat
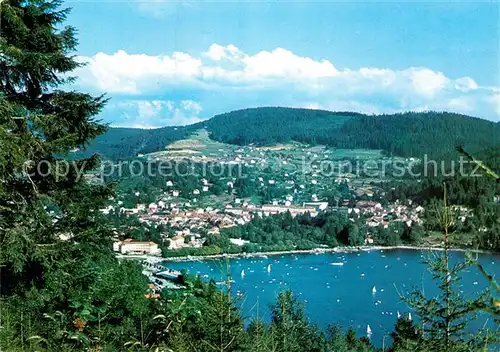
{"points": [[399, 315], [368, 331], [243, 273], [269, 268], [374, 290], [409, 316]]}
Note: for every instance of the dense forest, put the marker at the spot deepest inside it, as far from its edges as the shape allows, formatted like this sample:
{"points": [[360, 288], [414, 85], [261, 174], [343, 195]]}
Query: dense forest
{"points": [[126, 143], [407, 134], [270, 125], [330, 229], [468, 186]]}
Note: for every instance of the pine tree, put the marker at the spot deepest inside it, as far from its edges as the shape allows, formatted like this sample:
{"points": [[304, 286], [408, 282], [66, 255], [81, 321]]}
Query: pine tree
{"points": [[290, 329], [444, 318], [61, 286]]}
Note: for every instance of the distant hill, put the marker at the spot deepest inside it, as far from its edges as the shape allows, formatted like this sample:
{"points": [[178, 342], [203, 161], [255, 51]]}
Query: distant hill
{"points": [[270, 125], [125, 143], [406, 134], [415, 134]]}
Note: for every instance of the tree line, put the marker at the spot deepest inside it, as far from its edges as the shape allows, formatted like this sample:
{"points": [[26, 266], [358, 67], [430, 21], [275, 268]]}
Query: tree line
{"points": [[410, 134], [467, 186]]}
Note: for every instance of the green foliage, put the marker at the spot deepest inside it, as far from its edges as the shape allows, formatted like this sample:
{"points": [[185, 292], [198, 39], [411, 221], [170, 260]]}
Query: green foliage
{"points": [[277, 125], [291, 331], [408, 134], [61, 287], [406, 336], [411, 134], [126, 143], [444, 318], [467, 186], [282, 232]]}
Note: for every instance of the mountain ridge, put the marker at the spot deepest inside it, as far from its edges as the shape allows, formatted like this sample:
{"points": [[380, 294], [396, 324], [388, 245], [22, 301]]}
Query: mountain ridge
{"points": [[404, 134]]}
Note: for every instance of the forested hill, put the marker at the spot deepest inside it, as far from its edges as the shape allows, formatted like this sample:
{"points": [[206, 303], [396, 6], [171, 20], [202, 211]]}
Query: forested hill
{"points": [[270, 125], [415, 134], [124, 143], [406, 134]]}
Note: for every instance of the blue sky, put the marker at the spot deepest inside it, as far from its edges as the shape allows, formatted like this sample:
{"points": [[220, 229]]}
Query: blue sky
{"points": [[175, 62]]}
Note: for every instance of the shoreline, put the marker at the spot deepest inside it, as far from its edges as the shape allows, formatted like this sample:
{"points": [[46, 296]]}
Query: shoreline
{"points": [[312, 251]]}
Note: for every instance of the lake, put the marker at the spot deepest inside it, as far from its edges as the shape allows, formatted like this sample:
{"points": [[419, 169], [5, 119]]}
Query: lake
{"points": [[363, 291]]}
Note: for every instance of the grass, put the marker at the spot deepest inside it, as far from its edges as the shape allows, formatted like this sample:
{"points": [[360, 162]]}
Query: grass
{"points": [[199, 143]]}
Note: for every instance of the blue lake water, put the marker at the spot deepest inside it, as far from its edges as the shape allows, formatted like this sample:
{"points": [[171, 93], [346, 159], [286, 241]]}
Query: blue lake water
{"points": [[345, 294]]}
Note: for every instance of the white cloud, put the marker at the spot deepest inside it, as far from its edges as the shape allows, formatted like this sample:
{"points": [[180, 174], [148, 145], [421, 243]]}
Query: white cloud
{"points": [[465, 84], [225, 77], [135, 73], [155, 113], [425, 81], [495, 101], [282, 63], [461, 104], [191, 106], [218, 52]]}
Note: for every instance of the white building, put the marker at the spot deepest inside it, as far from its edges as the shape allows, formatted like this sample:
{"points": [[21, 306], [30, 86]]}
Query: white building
{"points": [[177, 242], [130, 246], [238, 241]]}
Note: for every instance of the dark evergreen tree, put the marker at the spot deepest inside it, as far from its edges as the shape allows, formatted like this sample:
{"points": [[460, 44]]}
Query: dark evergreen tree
{"points": [[444, 318], [61, 286]]}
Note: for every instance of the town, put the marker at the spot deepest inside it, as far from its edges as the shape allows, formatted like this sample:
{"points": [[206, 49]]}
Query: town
{"points": [[294, 179]]}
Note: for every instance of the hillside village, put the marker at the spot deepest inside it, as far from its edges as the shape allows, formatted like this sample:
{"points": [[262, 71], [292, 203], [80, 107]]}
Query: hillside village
{"points": [[212, 187], [299, 179], [193, 225]]}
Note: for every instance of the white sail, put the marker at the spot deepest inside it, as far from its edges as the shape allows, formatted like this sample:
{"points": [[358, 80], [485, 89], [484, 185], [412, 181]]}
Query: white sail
{"points": [[399, 315], [409, 316], [374, 290], [368, 331], [243, 273], [269, 268]]}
